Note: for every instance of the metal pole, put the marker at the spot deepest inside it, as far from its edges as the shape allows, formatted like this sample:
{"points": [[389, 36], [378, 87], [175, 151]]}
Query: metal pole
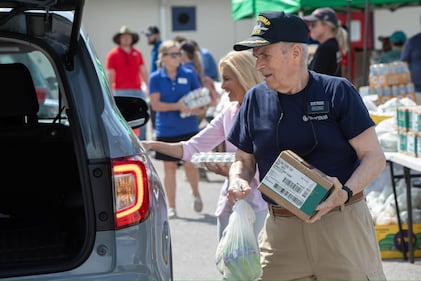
{"points": [[365, 51], [349, 53], [163, 16]]}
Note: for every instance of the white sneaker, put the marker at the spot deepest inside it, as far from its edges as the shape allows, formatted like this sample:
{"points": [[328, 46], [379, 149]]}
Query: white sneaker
{"points": [[197, 204], [172, 213]]}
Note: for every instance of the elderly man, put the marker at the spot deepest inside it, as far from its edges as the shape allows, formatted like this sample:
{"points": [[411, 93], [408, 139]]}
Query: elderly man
{"points": [[323, 119]]}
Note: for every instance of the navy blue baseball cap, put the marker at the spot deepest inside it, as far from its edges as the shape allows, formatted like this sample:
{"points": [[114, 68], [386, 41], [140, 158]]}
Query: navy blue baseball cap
{"points": [[323, 14], [151, 30], [273, 27]]}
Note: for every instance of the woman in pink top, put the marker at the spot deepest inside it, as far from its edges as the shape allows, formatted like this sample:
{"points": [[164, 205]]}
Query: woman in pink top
{"points": [[238, 75]]}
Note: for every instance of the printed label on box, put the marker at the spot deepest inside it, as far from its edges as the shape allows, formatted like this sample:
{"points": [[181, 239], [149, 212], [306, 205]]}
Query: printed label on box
{"points": [[295, 185], [284, 179]]}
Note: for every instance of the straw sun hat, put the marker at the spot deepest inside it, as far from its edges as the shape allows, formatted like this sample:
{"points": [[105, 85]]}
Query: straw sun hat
{"points": [[125, 30]]}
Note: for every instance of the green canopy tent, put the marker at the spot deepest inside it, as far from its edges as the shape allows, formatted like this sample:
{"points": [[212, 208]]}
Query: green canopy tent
{"points": [[251, 8]]}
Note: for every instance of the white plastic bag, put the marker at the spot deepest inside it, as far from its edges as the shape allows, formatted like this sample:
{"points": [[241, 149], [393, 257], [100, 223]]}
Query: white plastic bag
{"points": [[237, 255]]}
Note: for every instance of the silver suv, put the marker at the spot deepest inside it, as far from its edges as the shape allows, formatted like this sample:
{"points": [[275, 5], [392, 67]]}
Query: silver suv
{"points": [[80, 199]]}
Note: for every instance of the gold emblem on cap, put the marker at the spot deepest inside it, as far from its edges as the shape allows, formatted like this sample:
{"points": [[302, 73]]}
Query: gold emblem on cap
{"points": [[264, 20], [258, 29], [253, 42]]}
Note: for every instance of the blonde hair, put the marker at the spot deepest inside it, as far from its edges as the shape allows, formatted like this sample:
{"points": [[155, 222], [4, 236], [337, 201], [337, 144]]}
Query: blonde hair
{"points": [[342, 38], [243, 65], [341, 35], [163, 48]]}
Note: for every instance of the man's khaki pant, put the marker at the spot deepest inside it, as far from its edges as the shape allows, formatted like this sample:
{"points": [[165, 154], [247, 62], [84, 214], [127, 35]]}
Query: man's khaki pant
{"points": [[341, 246]]}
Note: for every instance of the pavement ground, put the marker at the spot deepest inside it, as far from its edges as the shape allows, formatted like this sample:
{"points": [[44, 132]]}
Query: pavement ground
{"points": [[194, 235]]}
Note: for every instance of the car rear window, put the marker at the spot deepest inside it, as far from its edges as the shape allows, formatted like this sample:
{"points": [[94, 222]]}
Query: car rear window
{"points": [[43, 76]]}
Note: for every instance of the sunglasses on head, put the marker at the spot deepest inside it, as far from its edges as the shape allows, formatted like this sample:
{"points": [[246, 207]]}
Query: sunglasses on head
{"points": [[173, 55]]}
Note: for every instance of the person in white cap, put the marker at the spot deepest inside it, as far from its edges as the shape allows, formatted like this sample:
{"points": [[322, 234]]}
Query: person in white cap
{"points": [[322, 119]]}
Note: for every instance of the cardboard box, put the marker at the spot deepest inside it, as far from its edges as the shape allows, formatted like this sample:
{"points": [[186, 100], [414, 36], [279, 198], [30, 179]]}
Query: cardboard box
{"points": [[295, 185], [390, 242]]}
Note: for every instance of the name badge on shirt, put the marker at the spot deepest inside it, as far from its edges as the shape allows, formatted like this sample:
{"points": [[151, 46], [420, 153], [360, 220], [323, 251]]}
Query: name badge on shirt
{"points": [[182, 80], [317, 107]]}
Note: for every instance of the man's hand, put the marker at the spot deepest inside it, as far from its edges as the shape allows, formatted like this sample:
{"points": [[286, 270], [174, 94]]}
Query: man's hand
{"points": [[238, 190], [337, 197], [184, 109]]}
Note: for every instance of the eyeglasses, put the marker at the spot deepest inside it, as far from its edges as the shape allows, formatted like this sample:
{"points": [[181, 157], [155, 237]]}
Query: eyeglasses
{"points": [[173, 55]]}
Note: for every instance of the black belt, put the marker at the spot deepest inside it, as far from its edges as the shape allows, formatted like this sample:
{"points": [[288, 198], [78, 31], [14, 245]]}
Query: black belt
{"points": [[279, 211]]}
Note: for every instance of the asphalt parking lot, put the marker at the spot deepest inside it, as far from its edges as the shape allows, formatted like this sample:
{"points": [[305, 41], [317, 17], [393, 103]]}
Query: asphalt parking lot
{"points": [[402, 270]]}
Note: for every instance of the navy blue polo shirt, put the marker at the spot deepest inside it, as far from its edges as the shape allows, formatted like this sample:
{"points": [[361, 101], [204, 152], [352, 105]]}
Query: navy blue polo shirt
{"points": [[170, 123], [316, 123]]}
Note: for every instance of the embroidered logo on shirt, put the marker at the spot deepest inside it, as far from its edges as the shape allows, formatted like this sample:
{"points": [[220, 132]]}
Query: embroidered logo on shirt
{"points": [[317, 117]]}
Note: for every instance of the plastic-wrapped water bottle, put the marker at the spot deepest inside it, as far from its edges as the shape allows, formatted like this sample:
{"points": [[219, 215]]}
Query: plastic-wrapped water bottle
{"points": [[196, 98]]}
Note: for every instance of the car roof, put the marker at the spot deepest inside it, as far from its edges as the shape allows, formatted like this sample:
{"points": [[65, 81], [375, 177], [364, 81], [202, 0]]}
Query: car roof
{"points": [[53, 5]]}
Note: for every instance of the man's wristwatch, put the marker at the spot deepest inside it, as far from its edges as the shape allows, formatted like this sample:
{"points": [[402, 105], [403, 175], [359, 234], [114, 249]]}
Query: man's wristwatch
{"points": [[349, 191]]}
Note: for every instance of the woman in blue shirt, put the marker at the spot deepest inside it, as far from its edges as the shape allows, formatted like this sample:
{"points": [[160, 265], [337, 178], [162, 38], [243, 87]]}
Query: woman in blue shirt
{"points": [[167, 86]]}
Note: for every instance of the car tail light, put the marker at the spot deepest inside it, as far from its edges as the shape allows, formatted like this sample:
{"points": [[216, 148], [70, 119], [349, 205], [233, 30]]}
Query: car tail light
{"points": [[41, 94], [131, 191]]}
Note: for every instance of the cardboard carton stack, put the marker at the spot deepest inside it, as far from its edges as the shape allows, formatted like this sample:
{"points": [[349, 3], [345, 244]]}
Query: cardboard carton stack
{"points": [[391, 244], [391, 80], [409, 130]]}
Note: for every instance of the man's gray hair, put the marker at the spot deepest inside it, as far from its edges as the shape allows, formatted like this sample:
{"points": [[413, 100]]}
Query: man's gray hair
{"points": [[286, 46]]}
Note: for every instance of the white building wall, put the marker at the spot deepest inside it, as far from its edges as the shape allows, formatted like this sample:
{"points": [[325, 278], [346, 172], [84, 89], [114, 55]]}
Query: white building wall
{"points": [[215, 29], [406, 19]]}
